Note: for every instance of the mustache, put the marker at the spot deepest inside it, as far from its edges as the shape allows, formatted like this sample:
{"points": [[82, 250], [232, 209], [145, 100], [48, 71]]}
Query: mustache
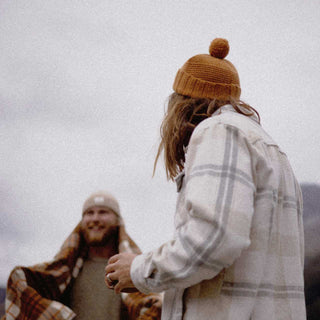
{"points": [[95, 224]]}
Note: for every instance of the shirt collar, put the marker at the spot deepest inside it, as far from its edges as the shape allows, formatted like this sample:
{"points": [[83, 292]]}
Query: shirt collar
{"points": [[230, 108]]}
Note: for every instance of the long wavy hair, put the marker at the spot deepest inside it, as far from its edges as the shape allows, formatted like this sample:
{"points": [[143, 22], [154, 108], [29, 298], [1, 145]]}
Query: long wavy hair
{"points": [[182, 116]]}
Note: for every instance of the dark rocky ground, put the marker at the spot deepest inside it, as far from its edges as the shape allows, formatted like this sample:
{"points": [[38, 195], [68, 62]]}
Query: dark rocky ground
{"points": [[311, 197], [2, 297]]}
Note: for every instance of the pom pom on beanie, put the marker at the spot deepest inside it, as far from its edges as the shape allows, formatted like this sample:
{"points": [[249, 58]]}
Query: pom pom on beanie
{"points": [[219, 48]]}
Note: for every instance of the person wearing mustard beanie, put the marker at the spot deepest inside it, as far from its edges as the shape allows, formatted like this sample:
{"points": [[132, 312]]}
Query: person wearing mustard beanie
{"points": [[238, 249]]}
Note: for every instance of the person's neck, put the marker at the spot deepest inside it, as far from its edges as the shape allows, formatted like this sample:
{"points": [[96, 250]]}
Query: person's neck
{"points": [[105, 251]]}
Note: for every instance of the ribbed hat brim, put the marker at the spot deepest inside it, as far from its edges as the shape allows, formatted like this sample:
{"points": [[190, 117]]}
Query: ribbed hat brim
{"points": [[188, 85]]}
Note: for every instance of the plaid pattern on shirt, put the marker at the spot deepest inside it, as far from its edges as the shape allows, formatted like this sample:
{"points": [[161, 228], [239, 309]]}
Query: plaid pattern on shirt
{"points": [[35, 292], [238, 249]]}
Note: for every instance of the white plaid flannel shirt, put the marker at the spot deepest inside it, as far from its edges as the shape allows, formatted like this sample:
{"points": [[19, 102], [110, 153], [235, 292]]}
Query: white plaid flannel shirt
{"points": [[238, 248]]}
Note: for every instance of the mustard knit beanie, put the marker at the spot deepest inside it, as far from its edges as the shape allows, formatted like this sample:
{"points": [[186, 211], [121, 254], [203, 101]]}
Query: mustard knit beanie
{"points": [[102, 199], [209, 76]]}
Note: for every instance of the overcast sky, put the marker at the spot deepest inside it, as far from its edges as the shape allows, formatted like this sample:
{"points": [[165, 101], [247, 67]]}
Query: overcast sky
{"points": [[83, 86]]}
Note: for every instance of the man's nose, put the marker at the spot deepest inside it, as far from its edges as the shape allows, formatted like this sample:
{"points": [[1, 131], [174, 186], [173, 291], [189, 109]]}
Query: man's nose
{"points": [[95, 216]]}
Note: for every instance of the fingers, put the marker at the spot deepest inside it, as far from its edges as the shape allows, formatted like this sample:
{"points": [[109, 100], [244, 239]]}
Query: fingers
{"points": [[119, 287], [110, 280], [110, 266], [109, 269], [107, 281], [110, 277], [114, 258], [112, 284], [117, 273]]}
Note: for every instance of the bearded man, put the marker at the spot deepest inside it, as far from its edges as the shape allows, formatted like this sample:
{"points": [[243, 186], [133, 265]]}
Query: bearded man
{"points": [[72, 285]]}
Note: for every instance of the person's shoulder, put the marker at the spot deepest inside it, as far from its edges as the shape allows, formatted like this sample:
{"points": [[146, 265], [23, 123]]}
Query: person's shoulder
{"points": [[249, 127], [228, 119], [237, 120]]}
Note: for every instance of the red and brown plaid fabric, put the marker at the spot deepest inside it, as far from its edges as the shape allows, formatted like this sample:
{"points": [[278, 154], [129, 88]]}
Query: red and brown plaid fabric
{"points": [[37, 292]]}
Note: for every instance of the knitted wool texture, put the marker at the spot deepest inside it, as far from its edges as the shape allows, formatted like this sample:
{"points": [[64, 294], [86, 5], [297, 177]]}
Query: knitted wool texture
{"points": [[209, 76], [102, 199]]}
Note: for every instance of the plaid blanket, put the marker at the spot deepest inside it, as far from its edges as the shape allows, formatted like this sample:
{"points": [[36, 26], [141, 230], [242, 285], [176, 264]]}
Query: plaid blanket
{"points": [[37, 292]]}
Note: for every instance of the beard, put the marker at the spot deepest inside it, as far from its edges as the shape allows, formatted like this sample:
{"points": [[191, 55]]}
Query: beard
{"points": [[103, 237]]}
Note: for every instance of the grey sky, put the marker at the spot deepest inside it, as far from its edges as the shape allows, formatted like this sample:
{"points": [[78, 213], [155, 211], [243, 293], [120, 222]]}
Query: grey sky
{"points": [[82, 92]]}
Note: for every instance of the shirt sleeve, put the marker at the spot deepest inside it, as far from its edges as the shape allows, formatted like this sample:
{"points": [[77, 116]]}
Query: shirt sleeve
{"points": [[217, 204]]}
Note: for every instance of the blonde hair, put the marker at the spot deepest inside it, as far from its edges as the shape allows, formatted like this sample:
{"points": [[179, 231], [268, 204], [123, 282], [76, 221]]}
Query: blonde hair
{"points": [[182, 116]]}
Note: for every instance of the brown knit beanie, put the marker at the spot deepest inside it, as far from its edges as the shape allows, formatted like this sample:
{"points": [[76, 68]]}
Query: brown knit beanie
{"points": [[209, 76], [102, 199]]}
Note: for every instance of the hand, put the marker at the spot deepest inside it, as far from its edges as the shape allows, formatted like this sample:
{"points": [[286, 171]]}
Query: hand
{"points": [[118, 273]]}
